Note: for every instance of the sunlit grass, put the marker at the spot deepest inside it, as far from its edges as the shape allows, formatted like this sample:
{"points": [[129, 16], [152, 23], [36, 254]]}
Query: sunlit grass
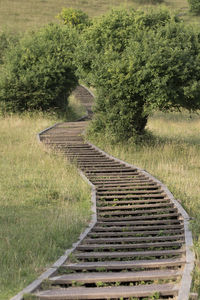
{"points": [[173, 156], [20, 15], [44, 204]]}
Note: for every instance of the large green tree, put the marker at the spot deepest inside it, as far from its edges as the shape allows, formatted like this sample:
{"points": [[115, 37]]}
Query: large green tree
{"points": [[38, 72], [139, 62]]}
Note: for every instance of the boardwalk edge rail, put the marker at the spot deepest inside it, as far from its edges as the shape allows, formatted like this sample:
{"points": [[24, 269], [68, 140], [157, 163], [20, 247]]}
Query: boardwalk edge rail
{"points": [[185, 285]]}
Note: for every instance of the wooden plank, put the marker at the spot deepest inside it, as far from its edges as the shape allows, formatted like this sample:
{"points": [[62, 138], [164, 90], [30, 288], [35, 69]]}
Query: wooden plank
{"points": [[129, 188], [109, 169], [132, 233], [132, 196], [142, 222], [130, 211], [130, 191], [144, 217], [111, 185], [108, 292], [134, 239], [131, 264], [116, 276], [144, 201], [100, 255], [127, 207], [98, 247], [136, 228]]}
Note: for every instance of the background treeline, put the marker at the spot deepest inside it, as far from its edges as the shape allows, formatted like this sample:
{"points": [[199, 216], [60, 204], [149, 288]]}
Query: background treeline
{"points": [[137, 61]]}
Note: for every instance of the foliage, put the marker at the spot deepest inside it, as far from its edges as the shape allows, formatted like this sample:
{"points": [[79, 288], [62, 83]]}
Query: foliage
{"points": [[39, 73], [139, 62], [74, 17], [194, 6], [7, 39]]}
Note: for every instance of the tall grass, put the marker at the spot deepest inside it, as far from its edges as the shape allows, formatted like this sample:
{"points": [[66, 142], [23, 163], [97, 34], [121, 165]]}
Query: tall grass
{"points": [[20, 15], [44, 204], [173, 156]]}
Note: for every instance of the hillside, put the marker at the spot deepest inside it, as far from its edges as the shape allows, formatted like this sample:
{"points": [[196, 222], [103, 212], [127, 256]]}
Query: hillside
{"points": [[20, 15]]}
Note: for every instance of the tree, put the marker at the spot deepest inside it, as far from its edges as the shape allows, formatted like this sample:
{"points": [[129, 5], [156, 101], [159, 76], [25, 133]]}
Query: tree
{"points": [[139, 62], [194, 6], [39, 73]]}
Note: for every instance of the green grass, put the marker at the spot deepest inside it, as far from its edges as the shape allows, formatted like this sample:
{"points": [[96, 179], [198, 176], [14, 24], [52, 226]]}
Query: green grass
{"points": [[44, 204], [173, 156], [20, 15]]}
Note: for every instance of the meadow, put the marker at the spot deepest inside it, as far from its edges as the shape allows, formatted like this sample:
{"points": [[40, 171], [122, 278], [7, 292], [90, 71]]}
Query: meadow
{"points": [[40, 195], [21, 15], [173, 156]]}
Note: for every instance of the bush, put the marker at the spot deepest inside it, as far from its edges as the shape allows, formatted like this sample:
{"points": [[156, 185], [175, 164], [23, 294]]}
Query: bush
{"points": [[139, 62], [74, 17], [194, 6], [39, 73], [7, 39]]}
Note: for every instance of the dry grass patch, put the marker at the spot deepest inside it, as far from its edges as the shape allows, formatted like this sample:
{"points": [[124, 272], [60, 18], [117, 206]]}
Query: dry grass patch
{"points": [[21, 15], [44, 204]]}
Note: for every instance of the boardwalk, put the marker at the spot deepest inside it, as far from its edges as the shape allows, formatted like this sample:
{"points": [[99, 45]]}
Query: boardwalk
{"points": [[138, 246]]}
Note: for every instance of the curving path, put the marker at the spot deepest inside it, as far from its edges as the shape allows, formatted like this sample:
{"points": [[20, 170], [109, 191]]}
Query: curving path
{"points": [[138, 244]]}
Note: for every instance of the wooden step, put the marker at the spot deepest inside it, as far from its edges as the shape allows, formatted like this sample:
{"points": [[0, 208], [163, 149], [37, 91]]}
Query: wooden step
{"points": [[113, 175], [133, 196], [142, 222], [111, 185], [128, 187], [110, 247], [120, 206], [109, 292], [134, 239], [124, 254], [130, 211], [144, 217], [116, 277], [123, 265], [137, 228], [133, 191], [145, 201], [109, 169], [132, 233]]}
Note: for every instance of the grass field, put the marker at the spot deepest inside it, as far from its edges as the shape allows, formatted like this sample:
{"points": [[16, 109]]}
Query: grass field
{"points": [[38, 197], [173, 156], [44, 204], [20, 15]]}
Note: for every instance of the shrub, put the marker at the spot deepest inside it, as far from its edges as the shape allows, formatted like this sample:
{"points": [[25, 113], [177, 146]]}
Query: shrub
{"points": [[194, 6], [74, 17], [139, 62], [39, 73], [7, 39]]}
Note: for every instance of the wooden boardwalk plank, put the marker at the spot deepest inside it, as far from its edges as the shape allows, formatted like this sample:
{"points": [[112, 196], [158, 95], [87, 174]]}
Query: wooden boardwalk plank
{"points": [[108, 292], [113, 277]]}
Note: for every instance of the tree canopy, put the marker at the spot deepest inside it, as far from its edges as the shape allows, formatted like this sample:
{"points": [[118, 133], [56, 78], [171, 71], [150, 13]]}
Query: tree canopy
{"points": [[38, 72], [138, 62]]}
